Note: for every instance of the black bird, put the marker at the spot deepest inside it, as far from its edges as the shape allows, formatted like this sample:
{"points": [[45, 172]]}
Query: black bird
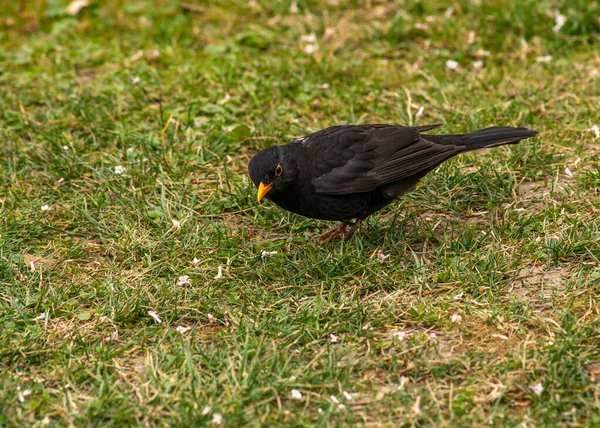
{"points": [[351, 171]]}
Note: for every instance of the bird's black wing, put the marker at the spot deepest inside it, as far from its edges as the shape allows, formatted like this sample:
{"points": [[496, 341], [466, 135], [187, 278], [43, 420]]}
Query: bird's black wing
{"points": [[355, 159]]}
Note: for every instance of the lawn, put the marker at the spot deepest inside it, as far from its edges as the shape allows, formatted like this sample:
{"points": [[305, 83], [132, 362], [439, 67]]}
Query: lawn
{"points": [[126, 130]]}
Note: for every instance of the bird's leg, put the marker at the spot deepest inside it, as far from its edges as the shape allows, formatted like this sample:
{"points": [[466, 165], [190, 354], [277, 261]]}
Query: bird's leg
{"points": [[355, 225], [339, 230]]}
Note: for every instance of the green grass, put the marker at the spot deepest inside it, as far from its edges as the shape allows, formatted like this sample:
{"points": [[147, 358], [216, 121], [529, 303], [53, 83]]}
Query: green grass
{"points": [[503, 239]]}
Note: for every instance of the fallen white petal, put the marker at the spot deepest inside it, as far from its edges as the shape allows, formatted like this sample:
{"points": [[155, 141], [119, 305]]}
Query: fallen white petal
{"points": [[478, 65], [560, 20], [114, 336], [225, 99], [46, 208], [324, 86], [334, 338], [195, 261], [119, 169], [349, 395], [183, 280], [268, 253], [381, 257], [219, 272], [23, 394], [456, 318], [568, 172], [182, 329], [459, 296], [296, 395], [155, 316], [292, 378], [400, 335], [309, 38], [546, 58], [416, 408], [206, 410], [75, 7], [403, 381], [217, 419], [537, 389], [421, 26], [40, 317], [420, 111], [596, 130], [310, 48], [135, 80], [334, 399], [341, 406], [451, 64], [211, 318]]}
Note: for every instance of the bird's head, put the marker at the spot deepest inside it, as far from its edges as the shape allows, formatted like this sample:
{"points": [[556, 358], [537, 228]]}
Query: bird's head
{"points": [[271, 172]]}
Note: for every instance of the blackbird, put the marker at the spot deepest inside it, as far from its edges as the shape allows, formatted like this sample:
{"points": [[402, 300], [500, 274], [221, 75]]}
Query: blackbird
{"points": [[351, 171]]}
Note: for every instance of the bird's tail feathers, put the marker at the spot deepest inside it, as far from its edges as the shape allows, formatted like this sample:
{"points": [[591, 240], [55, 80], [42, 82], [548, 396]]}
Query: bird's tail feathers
{"points": [[488, 137]]}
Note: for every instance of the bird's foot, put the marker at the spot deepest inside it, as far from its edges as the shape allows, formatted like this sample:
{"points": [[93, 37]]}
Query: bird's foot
{"points": [[340, 230]]}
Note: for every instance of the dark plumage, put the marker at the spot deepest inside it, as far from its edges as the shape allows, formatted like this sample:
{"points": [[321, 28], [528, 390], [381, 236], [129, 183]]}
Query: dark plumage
{"points": [[351, 171]]}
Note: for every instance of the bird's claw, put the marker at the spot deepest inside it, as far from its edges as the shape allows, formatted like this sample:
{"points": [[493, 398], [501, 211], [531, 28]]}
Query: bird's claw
{"points": [[340, 230]]}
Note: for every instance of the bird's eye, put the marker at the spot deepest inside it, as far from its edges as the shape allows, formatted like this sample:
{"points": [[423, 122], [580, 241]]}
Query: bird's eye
{"points": [[278, 170]]}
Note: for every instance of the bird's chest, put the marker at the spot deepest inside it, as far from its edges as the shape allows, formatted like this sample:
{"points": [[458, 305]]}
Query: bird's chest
{"points": [[305, 201]]}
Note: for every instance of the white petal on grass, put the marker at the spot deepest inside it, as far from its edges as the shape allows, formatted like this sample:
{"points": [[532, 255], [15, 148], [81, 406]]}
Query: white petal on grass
{"points": [[219, 272], [334, 399], [76, 6], [225, 99], [135, 80], [328, 33], [138, 55], [154, 54], [537, 389], [416, 408], [310, 48], [293, 378], [268, 253], [420, 111], [456, 318], [183, 329], [349, 395], [421, 26], [155, 316], [334, 338], [400, 335], [309, 38], [471, 37], [196, 260], [119, 169], [23, 394], [40, 317], [381, 257], [114, 336], [341, 406], [206, 410], [183, 280], [560, 20], [546, 58], [324, 86], [478, 65], [451, 64], [46, 208], [449, 12], [66, 148], [568, 172], [459, 296], [217, 419], [296, 395], [596, 130], [211, 318], [403, 382]]}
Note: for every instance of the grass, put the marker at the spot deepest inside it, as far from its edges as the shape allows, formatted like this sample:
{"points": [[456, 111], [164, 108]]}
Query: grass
{"points": [[134, 122]]}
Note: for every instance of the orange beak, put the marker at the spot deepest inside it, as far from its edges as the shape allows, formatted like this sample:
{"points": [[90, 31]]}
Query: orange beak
{"points": [[263, 189]]}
